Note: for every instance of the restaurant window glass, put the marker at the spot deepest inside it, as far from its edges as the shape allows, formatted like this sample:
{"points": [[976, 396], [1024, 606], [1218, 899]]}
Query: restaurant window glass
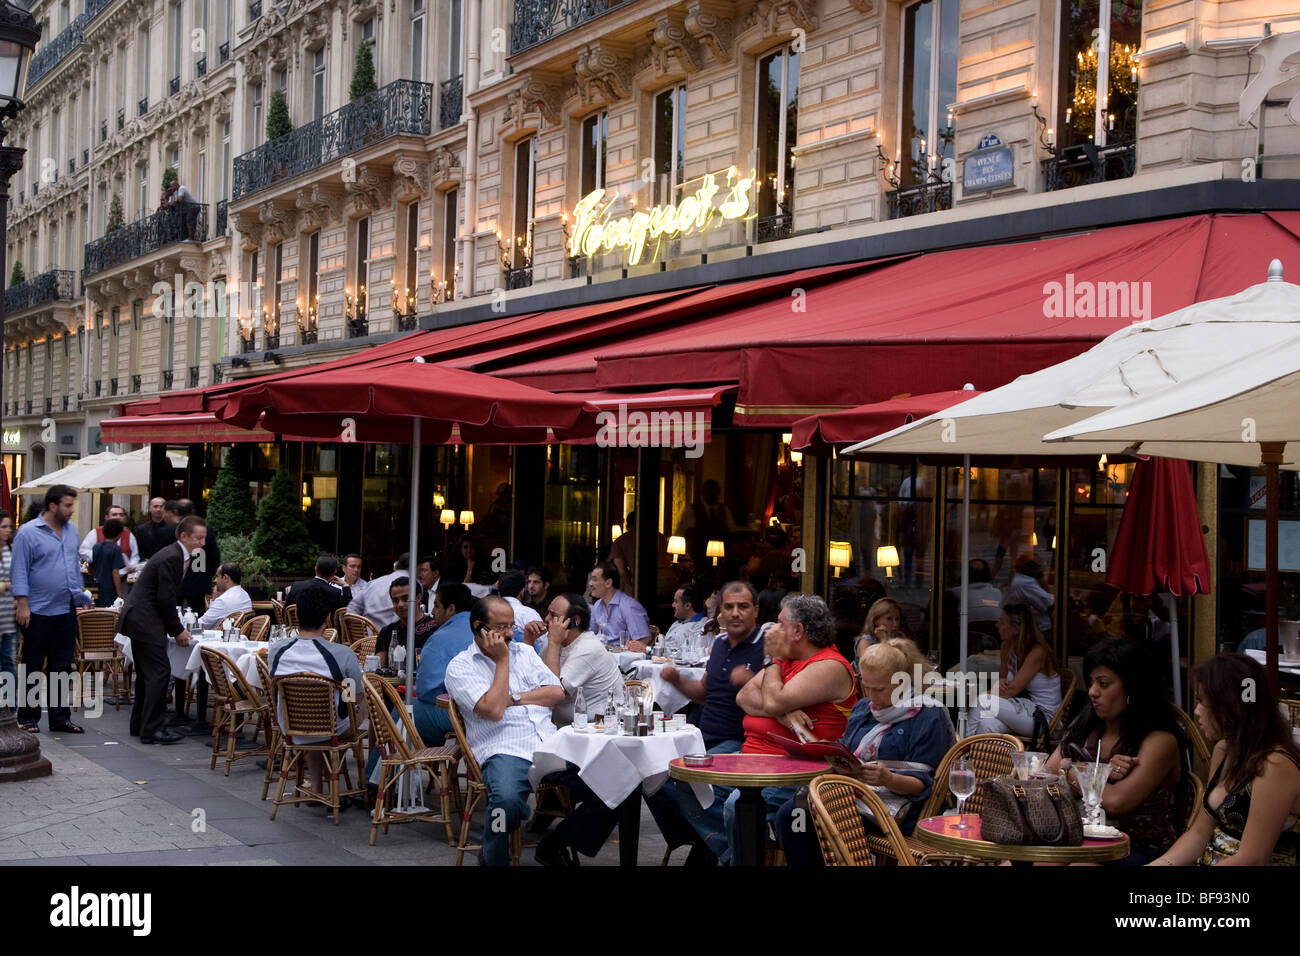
{"points": [[449, 214], [412, 277], [593, 153], [775, 131], [929, 87], [521, 235], [669, 143], [1097, 95], [572, 513], [885, 514]]}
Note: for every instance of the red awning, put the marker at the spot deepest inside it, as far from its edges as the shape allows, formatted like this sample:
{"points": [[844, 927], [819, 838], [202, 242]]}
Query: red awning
{"points": [[194, 427], [819, 433], [672, 418]]}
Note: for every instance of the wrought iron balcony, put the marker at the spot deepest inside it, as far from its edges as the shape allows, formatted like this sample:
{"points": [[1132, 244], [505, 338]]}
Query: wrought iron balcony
{"points": [[770, 228], [520, 278], [408, 322], [307, 336], [66, 402], [187, 222], [246, 345], [57, 285], [403, 107], [358, 328], [193, 377], [49, 405], [222, 219], [135, 383], [450, 95], [539, 20], [201, 67], [54, 52], [168, 377], [270, 341], [223, 54], [173, 86], [143, 106], [216, 373], [1085, 163], [112, 386], [916, 200]]}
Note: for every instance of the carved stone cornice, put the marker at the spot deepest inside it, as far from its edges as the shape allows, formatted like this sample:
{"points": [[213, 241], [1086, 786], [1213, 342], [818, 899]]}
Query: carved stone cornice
{"points": [[410, 177], [709, 21], [197, 265], [604, 73], [318, 206], [277, 220], [673, 50], [779, 16], [535, 95], [445, 168], [368, 192], [250, 230]]}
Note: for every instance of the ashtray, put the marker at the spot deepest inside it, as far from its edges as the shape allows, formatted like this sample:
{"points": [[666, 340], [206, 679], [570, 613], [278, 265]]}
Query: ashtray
{"points": [[698, 760]]}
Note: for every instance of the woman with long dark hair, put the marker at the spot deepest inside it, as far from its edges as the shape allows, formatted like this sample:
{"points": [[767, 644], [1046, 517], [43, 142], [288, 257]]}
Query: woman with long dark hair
{"points": [[1130, 722], [8, 629], [1251, 812], [1031, 678]]}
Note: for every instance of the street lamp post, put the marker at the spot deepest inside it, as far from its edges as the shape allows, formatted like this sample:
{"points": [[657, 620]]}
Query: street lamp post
{"points": [[20, 752]]}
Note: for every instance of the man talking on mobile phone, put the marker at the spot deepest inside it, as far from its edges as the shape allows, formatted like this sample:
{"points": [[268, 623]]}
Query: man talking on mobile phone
{"points": [[504, 694]]}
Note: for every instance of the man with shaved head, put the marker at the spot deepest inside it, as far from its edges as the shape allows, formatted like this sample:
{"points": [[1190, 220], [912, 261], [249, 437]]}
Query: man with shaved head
{"points": [[504, 694]]}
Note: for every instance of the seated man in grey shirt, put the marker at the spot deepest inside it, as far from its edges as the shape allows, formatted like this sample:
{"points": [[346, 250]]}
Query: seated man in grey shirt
{"points": [[312, 654]]}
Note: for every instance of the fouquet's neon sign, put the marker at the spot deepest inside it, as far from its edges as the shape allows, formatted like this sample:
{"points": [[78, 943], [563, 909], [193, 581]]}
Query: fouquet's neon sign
{"points": [[595, 230]]}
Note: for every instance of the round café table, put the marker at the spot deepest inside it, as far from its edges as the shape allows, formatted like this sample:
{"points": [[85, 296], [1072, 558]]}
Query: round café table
{"points": [[750, 773], [942, 834]]}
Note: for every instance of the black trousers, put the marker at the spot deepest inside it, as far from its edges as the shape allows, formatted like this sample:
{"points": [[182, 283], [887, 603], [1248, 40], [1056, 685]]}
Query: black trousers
{"points": [[152, 674], [49, 645], [591, 823]]}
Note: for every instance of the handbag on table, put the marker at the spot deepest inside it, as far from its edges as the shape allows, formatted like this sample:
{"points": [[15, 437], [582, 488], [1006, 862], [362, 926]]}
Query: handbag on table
{"points": [[1034, 812]]}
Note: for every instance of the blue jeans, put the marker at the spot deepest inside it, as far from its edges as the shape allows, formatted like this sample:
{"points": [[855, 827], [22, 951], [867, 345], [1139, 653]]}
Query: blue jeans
{"points": [[433, 723], [774, 797], [507, 805], [9, 665], [710, 822]]}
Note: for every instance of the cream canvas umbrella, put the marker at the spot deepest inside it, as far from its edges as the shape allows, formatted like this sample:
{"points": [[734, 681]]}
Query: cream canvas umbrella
{"points": [[71, 475]]}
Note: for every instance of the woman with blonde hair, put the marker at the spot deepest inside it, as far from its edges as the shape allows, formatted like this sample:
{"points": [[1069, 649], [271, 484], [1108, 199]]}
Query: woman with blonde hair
{"points": [[1031, 669], [883, 619]]}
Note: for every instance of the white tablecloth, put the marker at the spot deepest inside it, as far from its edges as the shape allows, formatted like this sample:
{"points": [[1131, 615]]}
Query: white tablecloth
{"points": [[629, 659], [667, 697], [185, 660], [614, 766], [1284, 666]]}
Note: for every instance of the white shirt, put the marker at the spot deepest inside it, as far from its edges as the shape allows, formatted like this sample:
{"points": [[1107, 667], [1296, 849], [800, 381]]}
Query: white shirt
{"points": [[983, 601], [684, 630], [375, 602], [358, 589], [521, 729], [525, 615], [585, 665], [92, 538], [233, 599]]}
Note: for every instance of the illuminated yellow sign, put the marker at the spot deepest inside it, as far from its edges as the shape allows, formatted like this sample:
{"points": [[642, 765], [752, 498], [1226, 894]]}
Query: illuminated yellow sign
{"points": [[13, 437], [595, 230]]}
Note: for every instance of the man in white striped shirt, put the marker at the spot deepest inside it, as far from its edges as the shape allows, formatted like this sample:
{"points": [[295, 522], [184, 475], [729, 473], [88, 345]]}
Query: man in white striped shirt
{"points": [[505, 694]]}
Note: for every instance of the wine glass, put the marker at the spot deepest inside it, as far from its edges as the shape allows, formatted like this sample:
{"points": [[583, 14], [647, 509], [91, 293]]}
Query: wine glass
{"points": [[961, 781], [932, 659], [1092, 782]]}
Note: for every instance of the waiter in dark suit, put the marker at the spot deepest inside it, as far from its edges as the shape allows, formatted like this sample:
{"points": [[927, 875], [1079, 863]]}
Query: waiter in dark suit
{"points": [[336, 593], [149, 617]]}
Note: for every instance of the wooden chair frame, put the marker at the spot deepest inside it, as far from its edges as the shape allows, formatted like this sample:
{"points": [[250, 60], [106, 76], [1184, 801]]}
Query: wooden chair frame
{"points": [[1196, 740], [256, 628], [476, 789], [238, 704], [355, 627], [96, 650], [305, 708], [840, 830]]}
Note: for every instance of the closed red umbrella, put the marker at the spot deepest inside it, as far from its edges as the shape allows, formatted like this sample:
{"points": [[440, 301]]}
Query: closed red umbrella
{"points": [[6, 495], [1159, 547], [818, 433]]}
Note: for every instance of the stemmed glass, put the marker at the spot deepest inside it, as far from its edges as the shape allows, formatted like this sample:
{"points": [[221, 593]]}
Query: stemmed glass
{"points": [[1092, 782], [961, 781]]}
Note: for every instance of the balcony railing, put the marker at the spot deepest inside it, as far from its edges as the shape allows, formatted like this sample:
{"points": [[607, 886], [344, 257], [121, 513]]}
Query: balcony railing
{"points": [[246, 345], [187, 222], [539, 20], [408, 322], [54, 52], [450, 95], [135, 383], [770, 228], [99, 387], [216, 373], [520, 278], [49, 405], [401, 107], [173, 86], [57, 285], [358, 328], [307, 336], [201, 67], [112, 386], [270, 341], [222, 219], [916, 200], [142, 107], [168, 377], [192, 377], [223, 53], [1085, 163]]}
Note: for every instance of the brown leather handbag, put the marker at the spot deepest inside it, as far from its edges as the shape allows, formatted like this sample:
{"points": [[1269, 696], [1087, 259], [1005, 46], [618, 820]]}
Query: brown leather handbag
{"points": [[1035, 812]]}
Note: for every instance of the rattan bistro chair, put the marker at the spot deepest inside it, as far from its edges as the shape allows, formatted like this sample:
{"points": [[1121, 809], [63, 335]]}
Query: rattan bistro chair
{"points": [[476, 789], [355, 627], [989, 756], [97, 652], [256, 628], [1200, 747], [290, 616], [363, 648], [840, 830], [1068, 683], [238, 704], [273, 743], [305, 703], [401, 755]]}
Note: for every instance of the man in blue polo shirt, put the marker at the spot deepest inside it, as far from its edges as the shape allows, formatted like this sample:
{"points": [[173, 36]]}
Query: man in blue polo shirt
{"points": [[452, 603], [46, 584], [736, 656]]}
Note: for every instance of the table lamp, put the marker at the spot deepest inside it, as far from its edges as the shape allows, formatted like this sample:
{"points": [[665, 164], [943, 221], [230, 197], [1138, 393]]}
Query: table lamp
{"points": [[715, 551], [887, 558], [676, 547], [615, 531], [841, 553], [466, 519], [448, 518]]}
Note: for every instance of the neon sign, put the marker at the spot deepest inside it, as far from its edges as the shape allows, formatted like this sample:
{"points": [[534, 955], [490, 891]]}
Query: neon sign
{"points": [[595, 230]]}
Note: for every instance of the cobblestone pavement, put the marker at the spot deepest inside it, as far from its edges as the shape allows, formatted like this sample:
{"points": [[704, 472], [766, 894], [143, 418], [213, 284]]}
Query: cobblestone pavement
{"points": [[112, 800]]}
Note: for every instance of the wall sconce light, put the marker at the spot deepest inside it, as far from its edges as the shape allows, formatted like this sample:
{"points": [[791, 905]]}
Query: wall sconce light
{"points": [[439, 501], [1033, 539], [716, 550], [887, 558], [676, 547], [841, 554], [466, 519], [615, 531], [447, 518]]}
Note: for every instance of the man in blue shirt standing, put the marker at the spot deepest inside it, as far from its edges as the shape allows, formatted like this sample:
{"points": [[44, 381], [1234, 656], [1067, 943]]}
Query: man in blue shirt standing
{"points": [[46, 584]]}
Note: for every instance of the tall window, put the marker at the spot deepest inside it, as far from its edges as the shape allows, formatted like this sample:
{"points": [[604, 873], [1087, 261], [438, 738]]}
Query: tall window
{"points": [[225, 20], [368, 38], [194, 345], [929, 86], [137, 336], [203, 25], [169, 335], [142, 64], [1097, 102], [411, 277], [65, 11], [593, 153], [201, 194], [525, 183], [219, 309], [313, 276], [775, 131], [142, 175], [225, 159], [363, 265], [254, 289], [453, 39], [102, 205], [417, 40], [177, 36], [670, 142], [277, 297], [318, 84], [449, 215], [259, 125], [55, 136], [121, 78]]}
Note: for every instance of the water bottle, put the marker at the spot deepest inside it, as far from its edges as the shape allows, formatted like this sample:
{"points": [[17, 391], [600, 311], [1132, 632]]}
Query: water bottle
{"points": [[611, 716], [579, 711], [399, 657]]}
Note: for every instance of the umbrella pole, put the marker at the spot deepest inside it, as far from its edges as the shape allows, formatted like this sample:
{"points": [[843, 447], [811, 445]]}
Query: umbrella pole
{"points": [[1271, 455], [413, 605], [963, 610], [1172, 603]]}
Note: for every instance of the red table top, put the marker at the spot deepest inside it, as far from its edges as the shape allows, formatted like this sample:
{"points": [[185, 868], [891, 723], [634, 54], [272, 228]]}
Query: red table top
{"points": [[947, 826], [751, 770]]}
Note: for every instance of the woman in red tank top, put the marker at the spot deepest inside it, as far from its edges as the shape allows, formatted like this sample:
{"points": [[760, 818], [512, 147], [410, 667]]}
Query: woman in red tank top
{"points": [[808, 683]]}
